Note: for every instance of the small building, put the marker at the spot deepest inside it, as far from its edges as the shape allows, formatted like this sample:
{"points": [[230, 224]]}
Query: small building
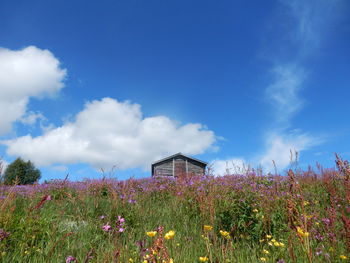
{"points": [[178, 164]]}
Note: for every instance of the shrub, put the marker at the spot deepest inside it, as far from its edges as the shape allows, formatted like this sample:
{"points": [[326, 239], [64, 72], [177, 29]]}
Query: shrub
{"points": [[21, 172]]}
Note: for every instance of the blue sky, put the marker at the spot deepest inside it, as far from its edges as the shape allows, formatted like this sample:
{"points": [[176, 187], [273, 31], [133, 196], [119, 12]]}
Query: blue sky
{"points": [[87, 85]]}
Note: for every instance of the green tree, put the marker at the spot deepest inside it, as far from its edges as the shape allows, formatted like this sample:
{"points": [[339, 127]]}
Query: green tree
{"points": [[21, 172]]}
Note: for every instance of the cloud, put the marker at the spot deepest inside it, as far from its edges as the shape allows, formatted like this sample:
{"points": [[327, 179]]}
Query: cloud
{"points": [[108, 132], [24, 74], [311, 18], [229, 166], [279, 147], [282, 94]]}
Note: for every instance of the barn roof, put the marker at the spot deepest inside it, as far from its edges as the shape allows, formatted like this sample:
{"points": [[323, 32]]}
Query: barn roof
{"points": [[179, 154]]}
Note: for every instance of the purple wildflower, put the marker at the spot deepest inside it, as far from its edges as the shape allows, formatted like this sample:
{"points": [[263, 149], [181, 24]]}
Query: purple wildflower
{"points": [[106, 227], [3, 234], [70, 259]]}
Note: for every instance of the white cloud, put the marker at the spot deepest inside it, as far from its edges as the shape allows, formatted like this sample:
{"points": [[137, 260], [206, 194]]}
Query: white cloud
{"points": [[107, 133], [59, 168], [31, 117], [283, 92], [229, 166], [24, 74], [280, 146], [312, 20]]}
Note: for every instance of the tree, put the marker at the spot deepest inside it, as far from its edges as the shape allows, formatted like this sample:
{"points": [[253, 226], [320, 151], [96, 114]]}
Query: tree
{"points": [[21, 172]]}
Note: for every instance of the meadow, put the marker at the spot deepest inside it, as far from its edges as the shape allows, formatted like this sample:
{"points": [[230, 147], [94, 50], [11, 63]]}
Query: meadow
{"points": [[300, 216]]}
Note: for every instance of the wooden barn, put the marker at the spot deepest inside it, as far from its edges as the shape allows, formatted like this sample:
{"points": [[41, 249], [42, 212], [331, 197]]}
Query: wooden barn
{"points": [[178, 164]]}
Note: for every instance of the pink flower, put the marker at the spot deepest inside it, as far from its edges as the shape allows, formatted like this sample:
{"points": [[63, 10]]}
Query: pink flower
{"points": [[106, 227], [121, 230], [70, 259], [120, 219]]}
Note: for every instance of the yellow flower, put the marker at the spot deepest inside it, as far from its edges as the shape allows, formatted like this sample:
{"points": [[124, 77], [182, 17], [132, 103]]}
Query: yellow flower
{"points": [[203, 259], [270, 243], [131, 260], [170, 234], [302, 233], [306, 203], [281, 244], [263, 259], [266, 251], [207, 228], [151, 233], [276, 244], [317, 223], [26, 252], [225, 233], [177, 244], [268, 236], [255, 210], [343, 257], [171, 260], [145, 261]]}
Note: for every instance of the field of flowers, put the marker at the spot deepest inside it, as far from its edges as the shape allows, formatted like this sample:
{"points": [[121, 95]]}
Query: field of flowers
{"points": [[302, 216]]}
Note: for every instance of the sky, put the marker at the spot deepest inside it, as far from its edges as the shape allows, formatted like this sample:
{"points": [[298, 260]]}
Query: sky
{"points": [[105, 88]]}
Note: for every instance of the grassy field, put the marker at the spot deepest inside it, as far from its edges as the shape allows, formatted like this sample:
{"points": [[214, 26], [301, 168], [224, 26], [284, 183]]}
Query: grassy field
{"points": [[302, 216]]}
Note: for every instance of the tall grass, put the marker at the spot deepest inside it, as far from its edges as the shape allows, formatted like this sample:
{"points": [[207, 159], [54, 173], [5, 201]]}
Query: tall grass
{"points": [[302, 216]]}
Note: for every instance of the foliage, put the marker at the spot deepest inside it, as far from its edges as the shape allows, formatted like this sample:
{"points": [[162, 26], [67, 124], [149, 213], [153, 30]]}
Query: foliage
{"points": [[21, 172], [299, 217]]}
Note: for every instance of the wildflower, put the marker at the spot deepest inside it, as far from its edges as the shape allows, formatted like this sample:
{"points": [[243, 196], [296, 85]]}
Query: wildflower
{"points": [[225, 233], [131, 260], [266, 251], [302, 233], [203, 259], [70, 259], [102, 217], [207, 228], [262, 259], [270, 243], [268, 236], [255, 210], [306, 203], [120, 224], [317, 223], [151, 233], [171, 260], [3, 234], [177, 244], [276, 244], [343, 257], [170, 234], [106, 227]]}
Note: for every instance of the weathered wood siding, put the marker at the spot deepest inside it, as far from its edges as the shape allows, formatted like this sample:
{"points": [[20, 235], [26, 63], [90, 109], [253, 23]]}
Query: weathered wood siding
{"points": [[178, 166], [164, 168], [195, 167]]}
